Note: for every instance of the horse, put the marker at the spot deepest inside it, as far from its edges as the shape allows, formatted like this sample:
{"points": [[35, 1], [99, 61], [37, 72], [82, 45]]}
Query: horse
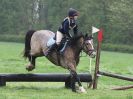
{"points": [[36, 46]]}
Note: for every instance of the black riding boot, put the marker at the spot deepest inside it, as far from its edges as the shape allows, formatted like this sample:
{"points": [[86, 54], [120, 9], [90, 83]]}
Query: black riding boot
{"points": [[64, 47], [51, 49]]}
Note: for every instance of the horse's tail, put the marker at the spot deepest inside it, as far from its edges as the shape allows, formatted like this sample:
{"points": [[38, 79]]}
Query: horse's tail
{"points": [[27, 43]]}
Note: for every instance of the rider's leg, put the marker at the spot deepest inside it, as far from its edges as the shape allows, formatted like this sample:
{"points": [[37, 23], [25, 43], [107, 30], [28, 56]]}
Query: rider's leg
{"points": [[59, 37], [64, 47], [51, 48]]}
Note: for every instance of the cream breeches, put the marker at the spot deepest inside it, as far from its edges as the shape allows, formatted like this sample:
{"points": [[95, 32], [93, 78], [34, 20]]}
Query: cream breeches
{"points": [[59, 37]]}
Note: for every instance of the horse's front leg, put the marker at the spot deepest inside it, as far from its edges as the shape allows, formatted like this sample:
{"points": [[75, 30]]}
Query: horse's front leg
{"points": [[81, 88], [73, 80], [31, 66]]}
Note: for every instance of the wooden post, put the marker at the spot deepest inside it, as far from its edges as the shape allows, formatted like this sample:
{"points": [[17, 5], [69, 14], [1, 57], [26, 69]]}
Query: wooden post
{"points": [[95, 81], [100, 38]]}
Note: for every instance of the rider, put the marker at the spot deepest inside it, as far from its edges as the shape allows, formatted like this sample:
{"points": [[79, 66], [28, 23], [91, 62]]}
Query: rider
{"points": [[69, 23]]}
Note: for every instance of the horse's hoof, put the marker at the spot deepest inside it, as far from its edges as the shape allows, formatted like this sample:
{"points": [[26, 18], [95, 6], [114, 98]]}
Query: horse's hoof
{"points": [[81, 90], [30, 67]]}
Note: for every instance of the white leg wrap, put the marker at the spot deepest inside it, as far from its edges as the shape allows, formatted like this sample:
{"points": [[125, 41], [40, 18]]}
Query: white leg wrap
{"points": [[82, 90]]}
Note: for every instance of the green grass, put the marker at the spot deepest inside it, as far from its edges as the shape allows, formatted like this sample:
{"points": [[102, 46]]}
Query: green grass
{"points": [[11, 61]]}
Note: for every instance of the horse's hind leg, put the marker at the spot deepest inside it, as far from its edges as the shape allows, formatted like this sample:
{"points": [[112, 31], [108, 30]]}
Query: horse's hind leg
{"points": [[31, 66]]}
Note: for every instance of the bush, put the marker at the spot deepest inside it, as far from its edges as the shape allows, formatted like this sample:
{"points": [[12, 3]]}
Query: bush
{"points": [[12, 38], [118, 47]]}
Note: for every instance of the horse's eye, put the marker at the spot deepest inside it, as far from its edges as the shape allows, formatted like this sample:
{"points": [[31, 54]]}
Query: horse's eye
{"points": [[87, 43]]}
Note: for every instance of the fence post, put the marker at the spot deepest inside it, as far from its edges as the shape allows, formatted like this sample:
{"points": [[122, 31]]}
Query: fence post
{"points": [[100, 38]]}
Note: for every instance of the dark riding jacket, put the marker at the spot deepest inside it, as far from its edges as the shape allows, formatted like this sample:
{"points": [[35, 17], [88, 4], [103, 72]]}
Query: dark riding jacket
{"points": [[67, 25]]}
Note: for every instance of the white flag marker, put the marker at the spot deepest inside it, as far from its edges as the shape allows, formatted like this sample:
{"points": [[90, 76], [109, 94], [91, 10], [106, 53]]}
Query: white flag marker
{"points": [[94, 29]]}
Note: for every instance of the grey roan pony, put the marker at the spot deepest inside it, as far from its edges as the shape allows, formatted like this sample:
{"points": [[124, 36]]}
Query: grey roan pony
{"points": [[36, 46]]}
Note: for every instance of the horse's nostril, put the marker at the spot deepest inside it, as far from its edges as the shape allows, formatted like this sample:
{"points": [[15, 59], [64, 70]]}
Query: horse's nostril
{"points": [[93, 54]]}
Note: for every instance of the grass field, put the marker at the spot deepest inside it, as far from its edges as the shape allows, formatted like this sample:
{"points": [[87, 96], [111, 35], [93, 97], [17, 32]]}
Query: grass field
{"points": [[11, 61]]}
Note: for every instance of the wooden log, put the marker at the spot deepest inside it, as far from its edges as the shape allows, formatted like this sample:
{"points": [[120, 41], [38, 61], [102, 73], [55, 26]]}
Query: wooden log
{"points": [[43, 77], [2, 81], [123, 87], [115, 76]]}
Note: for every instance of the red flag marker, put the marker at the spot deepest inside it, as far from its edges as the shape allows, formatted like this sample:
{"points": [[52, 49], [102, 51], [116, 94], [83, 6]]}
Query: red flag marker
{"points": [[100, 35]]}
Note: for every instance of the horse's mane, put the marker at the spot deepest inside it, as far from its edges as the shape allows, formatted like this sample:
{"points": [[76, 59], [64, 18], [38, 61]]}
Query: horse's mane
{"points": [[76, 39]]}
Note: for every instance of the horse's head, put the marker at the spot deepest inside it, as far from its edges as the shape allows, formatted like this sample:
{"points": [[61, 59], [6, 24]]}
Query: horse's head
{"points": [[85, 43], [88, 46]]}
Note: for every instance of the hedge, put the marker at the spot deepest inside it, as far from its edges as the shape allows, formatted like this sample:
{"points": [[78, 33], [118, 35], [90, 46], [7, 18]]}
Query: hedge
{"points": [[105, 46], [118, 47]]}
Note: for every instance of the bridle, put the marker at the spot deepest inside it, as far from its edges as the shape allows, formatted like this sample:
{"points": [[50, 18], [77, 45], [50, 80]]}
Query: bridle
{"points": [[85, 43]]}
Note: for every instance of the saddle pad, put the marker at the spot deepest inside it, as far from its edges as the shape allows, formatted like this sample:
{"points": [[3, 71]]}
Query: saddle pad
{"points": [[50, 42]]}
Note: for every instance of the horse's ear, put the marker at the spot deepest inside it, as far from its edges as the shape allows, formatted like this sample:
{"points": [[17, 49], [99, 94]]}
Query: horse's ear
{"points": [[86, 35], [91, 36]]}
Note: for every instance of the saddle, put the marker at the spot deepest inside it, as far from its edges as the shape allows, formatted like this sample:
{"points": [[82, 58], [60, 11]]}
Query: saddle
{"points": [[61, 47]]}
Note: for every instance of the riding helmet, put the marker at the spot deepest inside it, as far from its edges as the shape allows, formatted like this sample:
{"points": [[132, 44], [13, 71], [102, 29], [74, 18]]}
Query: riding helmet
{"points": [[72, 12]]}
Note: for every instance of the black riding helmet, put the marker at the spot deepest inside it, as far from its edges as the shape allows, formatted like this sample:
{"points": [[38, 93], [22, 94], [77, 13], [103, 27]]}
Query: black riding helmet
{"points": [[72, 12]]}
